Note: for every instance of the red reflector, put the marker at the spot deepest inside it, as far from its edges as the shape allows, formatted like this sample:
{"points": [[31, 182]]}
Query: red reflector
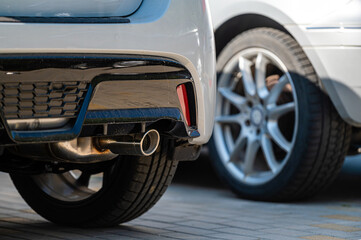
{"points": [[183, 99]]}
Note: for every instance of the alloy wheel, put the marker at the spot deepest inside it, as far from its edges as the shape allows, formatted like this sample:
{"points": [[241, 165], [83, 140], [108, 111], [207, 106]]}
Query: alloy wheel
{"points": [[74, 185], [256, 116]]}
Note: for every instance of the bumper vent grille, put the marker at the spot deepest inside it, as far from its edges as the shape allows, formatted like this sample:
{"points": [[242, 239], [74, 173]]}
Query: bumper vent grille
{"points": [[26, 100]]}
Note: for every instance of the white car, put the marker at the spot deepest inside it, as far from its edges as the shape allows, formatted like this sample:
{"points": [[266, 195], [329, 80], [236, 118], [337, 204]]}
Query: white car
{"points": [[100, 100], [288, 94]]}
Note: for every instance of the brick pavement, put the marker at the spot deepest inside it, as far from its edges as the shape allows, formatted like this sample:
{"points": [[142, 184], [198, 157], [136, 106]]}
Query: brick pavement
{"points": [[197, 207]]}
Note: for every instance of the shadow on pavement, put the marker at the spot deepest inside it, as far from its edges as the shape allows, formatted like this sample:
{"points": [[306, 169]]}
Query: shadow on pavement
{"points": [[198, 173], [346, 188]]}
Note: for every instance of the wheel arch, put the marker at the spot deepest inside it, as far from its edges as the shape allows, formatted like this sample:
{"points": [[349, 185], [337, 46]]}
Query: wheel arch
{"points": [[232, 27], [243, 15]]}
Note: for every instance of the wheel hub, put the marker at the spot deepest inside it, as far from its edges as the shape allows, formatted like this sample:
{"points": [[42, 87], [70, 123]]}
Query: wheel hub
{"points": [[257, 116]]}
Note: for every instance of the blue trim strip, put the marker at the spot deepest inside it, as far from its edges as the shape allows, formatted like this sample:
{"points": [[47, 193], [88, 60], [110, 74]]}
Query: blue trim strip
{"points": [[331, 28], [352, 28], [322, 28]]}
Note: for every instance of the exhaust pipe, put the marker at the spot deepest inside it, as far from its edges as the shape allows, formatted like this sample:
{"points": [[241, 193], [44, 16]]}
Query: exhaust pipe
{"points": [[137, 144], [91, 150]]}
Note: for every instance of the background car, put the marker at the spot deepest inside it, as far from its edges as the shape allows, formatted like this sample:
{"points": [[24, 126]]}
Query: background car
{"points": [[109, 92], [288, 94]]}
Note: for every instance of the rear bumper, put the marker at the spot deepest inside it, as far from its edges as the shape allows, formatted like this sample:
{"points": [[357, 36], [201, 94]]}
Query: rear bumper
{"points": [[183, 34], [49, 97]]}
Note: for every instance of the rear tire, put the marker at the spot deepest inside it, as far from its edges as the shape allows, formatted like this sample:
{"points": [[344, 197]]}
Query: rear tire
{"points": [[301, 159], [130, 187]]}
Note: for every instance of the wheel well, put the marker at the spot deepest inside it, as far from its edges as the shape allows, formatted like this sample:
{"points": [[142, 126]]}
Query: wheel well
{"points": [[234, 26]]}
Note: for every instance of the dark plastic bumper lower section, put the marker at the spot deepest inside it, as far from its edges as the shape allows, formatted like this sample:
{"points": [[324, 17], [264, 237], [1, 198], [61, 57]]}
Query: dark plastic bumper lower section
{"points": [[122, 89], [67, 20]]}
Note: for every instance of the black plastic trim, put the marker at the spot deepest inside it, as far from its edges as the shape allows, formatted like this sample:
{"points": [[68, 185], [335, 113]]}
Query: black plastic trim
{"points": [[68, 20]]}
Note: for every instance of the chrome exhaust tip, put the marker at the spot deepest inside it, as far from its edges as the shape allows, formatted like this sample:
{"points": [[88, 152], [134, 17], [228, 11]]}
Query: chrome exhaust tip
{"points": [[137, 145], [149, 142]]}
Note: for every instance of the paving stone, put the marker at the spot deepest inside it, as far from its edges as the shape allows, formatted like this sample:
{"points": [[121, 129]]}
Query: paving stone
{"points": [[271, 236], [227, 236], [283, 232], [245, 225], [192, 230], [302, 228], [21, 234], [239, 231], [200, 224], [193, 212], [181, 235], [322, 237], [344, 217], [338, 227], [153, 224], [333, 233]]}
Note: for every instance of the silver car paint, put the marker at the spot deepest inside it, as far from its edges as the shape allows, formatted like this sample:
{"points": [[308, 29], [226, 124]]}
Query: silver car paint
{"points": [[178, 29], [329, 32]]}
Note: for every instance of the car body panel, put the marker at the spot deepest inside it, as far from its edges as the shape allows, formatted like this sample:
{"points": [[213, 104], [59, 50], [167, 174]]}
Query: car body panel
{"points": [[328, 31], [283, 11]]}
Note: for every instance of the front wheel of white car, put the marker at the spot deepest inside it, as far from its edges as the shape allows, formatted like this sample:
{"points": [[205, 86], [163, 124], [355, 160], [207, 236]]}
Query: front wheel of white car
{"points": [[277, 136]]}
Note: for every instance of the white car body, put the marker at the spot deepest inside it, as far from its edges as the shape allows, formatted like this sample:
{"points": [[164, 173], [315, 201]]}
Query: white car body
{"points": [[328, 31], [153, 30], [118, 91]]}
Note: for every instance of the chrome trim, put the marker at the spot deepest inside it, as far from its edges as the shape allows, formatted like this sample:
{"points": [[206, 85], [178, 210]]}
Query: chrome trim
{"points": [[37, 124], [135, 94], [136, 145]]}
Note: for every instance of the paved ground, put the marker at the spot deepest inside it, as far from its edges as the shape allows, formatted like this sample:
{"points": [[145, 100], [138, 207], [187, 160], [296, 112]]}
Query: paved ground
{"points": [[196, 206]]}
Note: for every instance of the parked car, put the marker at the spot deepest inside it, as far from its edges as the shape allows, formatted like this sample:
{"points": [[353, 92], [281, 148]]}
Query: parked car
{"points": [[288, 94], [100, 100]]}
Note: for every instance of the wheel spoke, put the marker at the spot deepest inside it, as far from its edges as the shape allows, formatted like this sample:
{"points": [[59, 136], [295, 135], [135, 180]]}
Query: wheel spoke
{"points": [[250, 155], [84, 179], [277, 90], [267, 149], [235, 81], [277, 111], [238, 146], [107, 174], [277, 136], [228, 119], [232, 97], [247, 79], [260, 75]]}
